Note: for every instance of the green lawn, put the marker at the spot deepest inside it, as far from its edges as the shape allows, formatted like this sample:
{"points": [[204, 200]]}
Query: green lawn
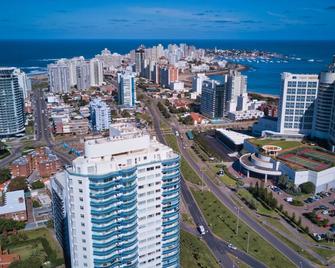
{"points": [[172, 142], [326, 253], [228, 181], [224, 223], [189, 173], [195, 253], [281, 143], [187, 218], [245, 194], [297, 248], [36, 242]]}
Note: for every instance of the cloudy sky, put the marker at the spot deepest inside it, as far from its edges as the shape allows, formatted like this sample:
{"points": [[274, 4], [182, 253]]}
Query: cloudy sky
{"points": [[162, 19]]}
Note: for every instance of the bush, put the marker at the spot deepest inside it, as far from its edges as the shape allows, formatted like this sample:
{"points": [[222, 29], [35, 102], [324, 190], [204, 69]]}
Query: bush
{"points": [[37, 185], [18, 183], [36, 204], [307, 187], [297, 203]]}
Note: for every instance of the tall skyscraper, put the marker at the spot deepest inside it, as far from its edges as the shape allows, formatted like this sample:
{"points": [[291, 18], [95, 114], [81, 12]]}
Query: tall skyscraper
{"points": [[100, 115], [167, 75], [197, 81], [12, 103], [139, 60], [213, 99], [83, 75], [59, 77], [297, 103], [73, 63], [96, 72], [324, 111], [236, 86], [24, 82], [127, 89], [123, 202]]}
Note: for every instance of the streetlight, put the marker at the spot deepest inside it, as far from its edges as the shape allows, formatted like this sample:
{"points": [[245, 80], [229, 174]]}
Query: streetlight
{"points": [[238, 219], [248, 243]]}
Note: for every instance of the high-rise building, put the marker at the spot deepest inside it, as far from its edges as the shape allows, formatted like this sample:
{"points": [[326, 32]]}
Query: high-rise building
{"points": [[197, 81], [73, 63], [297, 103], [83, 75], [12, 103], [24, 82], [213, 99], [139, 60], [123, 202], [58, 194], [236, 86], [59, 77], [96, 72], [127, 89], [324, 112], [100, 115], [167, 75]]}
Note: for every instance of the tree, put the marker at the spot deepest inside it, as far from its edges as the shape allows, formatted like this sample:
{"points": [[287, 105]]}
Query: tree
{"points": [[4, 175], [307, 187], [36, 204], [37, 185], [188, 120], [282, 181], [18, 183], [125, 113]]}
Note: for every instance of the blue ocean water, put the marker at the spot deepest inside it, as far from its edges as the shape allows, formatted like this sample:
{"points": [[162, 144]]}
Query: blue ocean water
{"points": [[34, 55]]}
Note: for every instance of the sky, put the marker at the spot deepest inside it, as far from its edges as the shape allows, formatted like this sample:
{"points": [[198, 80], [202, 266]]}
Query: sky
{"points": [[166, 19]]}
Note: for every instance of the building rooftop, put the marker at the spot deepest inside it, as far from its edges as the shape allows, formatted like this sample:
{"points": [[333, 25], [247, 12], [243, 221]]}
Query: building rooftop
{"points": [[13, 202], [236, 137]]}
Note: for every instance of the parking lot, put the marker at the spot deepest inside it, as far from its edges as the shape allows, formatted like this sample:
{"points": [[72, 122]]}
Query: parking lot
{"points": [[317, 212]]}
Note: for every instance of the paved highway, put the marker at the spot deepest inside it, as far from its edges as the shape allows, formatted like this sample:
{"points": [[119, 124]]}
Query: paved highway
{"points": [[217, 246], [298, 260]]}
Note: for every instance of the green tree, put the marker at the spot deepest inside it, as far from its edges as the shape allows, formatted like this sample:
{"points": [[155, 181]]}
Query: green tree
{"points": [[307, 187], [18, 183], [37, 185]]}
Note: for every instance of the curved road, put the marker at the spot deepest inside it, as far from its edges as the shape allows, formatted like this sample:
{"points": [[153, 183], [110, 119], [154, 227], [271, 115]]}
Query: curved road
{"points": [[218, 247]]}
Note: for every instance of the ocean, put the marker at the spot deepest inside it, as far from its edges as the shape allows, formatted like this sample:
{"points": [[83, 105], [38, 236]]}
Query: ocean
{"points": [[263, 77]]}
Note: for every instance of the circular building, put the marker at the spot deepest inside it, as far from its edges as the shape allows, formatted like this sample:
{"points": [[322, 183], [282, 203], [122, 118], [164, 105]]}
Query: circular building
{"points": [[261, 165]]}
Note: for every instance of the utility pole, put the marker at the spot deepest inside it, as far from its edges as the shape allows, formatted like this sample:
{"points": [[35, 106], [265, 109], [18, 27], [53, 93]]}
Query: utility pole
{"points": [[238, 219]]}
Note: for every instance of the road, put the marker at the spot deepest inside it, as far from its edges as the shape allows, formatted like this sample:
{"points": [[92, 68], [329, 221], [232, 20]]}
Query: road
{"points": [[42, 130], [298, 260], [218, 247]]}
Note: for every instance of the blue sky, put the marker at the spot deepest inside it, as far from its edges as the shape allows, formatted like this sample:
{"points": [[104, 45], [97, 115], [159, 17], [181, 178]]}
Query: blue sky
{"points": [[161, 19]]}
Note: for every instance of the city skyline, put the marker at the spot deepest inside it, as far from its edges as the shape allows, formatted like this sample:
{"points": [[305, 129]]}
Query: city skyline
{"points": [[150, 20]]}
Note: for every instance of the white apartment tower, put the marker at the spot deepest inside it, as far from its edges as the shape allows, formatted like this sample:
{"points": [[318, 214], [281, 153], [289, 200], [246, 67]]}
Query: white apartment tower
{"points": [[59, 77], [236, 86], [123, 202], [297, 103], [96, 72], [197, 81], [83, 75], [127, 89], [100, 115]]}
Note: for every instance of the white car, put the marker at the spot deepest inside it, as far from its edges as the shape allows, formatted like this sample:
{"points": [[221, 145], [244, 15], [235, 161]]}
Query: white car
{"points": [[231, 246], [201, 229]]}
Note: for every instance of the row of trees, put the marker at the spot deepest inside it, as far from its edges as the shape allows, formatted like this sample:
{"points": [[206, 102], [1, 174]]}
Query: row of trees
{"points": [[288, 186], [163, 110], [262, 194], [10, 225]]}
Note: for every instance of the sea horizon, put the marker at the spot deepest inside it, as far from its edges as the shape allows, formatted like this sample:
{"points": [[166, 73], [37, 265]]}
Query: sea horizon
{"points": [[33, 55]]}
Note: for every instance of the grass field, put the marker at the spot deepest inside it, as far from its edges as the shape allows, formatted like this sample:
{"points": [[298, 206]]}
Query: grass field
{"points": [[224, 223], [195, 253], [39, 240], [172, 142], [281, 143], [326, 253]]}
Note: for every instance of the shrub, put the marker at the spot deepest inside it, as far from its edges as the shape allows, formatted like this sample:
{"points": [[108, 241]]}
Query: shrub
{"points": [[297, 203], [307, 187], [37, 184]]}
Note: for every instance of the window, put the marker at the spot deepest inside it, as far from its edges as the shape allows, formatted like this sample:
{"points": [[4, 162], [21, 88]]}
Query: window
{"points": [[83, 232], [82, 224], [81, 199], [80, 181], [84, 249], [81, 207], [82, 216], [80, 190], [83, 240]]}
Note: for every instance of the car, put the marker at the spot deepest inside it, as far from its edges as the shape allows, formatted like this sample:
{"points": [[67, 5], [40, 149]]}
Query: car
{"points": [[231, 246], [201, 229], [220, 172], [325, 212], [323, 207]]}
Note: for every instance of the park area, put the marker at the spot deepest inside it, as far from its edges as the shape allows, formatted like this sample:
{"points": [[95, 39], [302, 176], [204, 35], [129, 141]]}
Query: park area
{"points": [[312, 158], [34, 247]]}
